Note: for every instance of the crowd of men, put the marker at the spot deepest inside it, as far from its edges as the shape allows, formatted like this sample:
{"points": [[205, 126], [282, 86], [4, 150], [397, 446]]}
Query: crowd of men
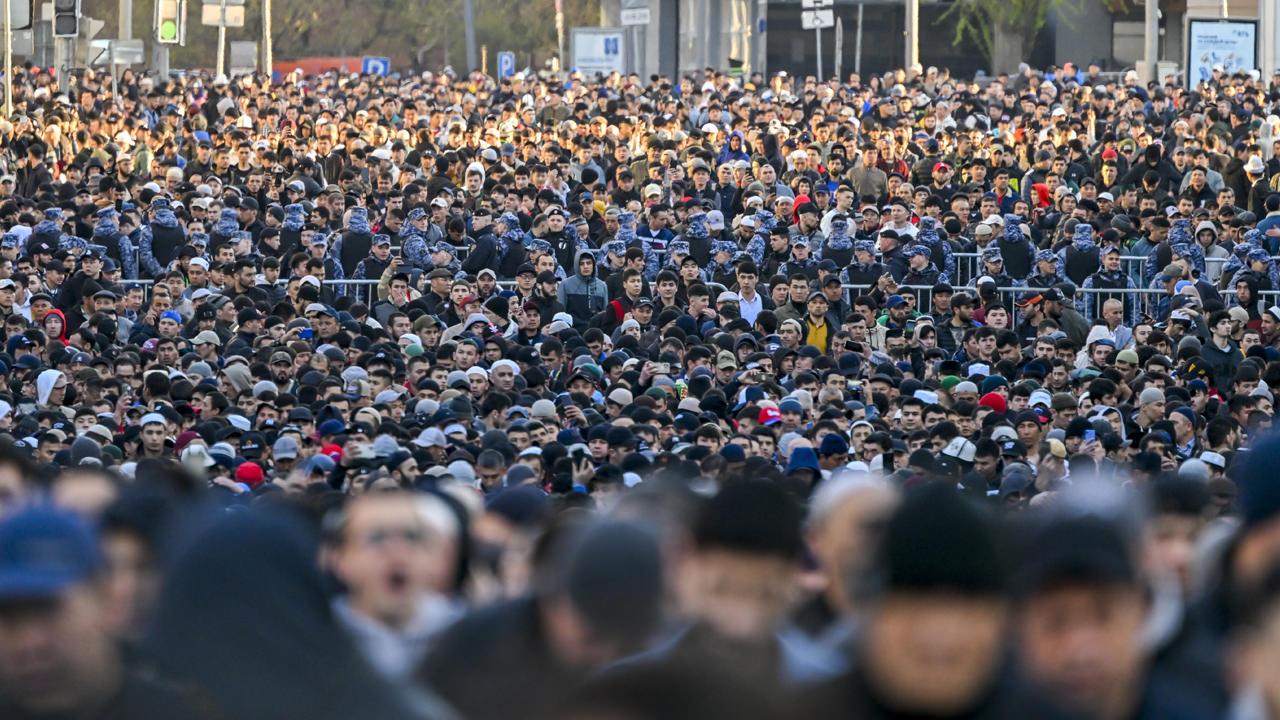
{"points": [[440, 396]]}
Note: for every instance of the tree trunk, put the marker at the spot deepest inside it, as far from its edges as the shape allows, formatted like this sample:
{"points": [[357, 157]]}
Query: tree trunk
{"points": [[1006, 49]]}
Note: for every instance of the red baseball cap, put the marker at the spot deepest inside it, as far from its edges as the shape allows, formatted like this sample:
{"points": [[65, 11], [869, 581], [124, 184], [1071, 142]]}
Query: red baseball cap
{"points": [[250, 474], [769, 416]]}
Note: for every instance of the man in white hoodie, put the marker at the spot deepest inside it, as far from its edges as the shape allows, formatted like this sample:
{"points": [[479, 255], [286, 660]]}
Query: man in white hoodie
{"points": [[51, 392]]}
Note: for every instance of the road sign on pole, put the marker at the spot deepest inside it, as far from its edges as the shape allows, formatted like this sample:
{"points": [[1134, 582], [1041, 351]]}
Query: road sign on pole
{"points": [[817, 19], [816, 15], [635, 16], [242, 57], [24, 42], [107, 51], [375, 66], [222, 14], [20, 14], [506, 64]]}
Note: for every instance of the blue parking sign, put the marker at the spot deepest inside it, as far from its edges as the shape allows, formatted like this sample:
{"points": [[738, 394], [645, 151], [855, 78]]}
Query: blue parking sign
{"points": [[506, 64], [376, 66], [611, 46]]}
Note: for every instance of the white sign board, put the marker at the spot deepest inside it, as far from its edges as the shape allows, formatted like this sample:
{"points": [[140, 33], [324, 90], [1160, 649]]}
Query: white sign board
{"points": [[116, 52], [24, 42], [19, 15], [242, 57], [634, 12], [211, 14], [635, 16], [817, 19], [1230, 44], [815, 4], [598, 50]]}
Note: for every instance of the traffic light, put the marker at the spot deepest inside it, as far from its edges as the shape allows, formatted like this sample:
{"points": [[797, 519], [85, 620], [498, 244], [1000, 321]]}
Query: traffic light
{"points": [[169, 19], [66, 18]]}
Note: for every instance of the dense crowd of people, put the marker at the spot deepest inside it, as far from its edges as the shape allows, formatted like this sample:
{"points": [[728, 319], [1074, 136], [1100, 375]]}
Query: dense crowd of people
{"points": [[441, 396]]}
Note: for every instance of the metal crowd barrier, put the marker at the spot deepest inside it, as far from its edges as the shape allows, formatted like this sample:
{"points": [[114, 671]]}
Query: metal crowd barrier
{"points": [[1009, 296], [968, 266], [365, 291]]}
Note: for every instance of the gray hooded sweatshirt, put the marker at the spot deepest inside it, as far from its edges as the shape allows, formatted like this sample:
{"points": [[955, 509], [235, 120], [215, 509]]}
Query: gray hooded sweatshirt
{"points": [[583, 295]]}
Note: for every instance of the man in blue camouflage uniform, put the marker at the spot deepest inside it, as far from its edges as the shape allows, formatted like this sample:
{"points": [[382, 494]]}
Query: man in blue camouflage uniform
{"points": [[160, 239], [1110, 277]]}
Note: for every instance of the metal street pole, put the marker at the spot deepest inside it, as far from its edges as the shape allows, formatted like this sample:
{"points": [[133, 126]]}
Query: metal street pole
{"points": [[762, 44], [125, 30], [59, 58], [857, 45], [705, 12], [222, 37], [912, 33], [8, 59], [222, 45], [817, 34], [160, 59], [469, 23], [1151, 38], [559, 36], [838, 60], [1267, 28], [267, 59], [115, 86]]}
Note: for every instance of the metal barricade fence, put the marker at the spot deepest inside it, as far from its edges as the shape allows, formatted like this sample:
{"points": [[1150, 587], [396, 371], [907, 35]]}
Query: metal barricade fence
{"points": [[1009, 296], [366, 291], [363, 291], [968, 266]]}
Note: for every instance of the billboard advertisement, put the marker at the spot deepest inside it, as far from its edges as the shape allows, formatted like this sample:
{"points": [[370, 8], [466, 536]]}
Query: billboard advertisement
{"points": [[1229, 44]]}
